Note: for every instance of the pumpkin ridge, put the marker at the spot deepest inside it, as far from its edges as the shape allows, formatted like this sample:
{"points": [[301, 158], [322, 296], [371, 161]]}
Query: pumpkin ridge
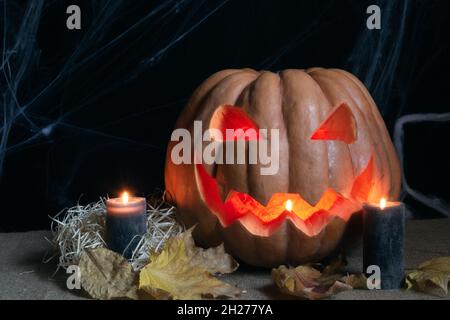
{"points": [[219, 87], [383, 133], [379, 140], [286, 130], [243, 101], [251, 88], [242, 79], [323, 80], [196, 101], [380, 158], [318, 111], [345, 145], [266, 109], [357, 147], [300, 106], [259, 106]]}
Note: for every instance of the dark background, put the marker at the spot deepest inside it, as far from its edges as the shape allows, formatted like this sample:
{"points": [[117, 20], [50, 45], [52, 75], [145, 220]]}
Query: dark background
{"points": [[87, 113]]}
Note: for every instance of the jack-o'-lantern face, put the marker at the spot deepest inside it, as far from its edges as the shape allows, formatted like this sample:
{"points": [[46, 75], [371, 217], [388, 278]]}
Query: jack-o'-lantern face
{"points": [[331, 160], [263, 219]]}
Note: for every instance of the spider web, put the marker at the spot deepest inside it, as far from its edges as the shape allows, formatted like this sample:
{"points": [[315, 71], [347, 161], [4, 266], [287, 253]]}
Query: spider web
{"points": [[21, 57], [31, 115]]}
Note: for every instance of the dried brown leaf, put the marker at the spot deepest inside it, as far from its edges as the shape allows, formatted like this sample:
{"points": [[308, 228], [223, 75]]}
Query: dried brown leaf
{"points": [[307, 282], [356, 281], [105, 274], [335, 266], [215, 260], [432, 276]]}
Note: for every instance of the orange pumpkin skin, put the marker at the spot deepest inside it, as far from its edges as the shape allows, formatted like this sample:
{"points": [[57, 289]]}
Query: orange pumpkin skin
{"points": [[295, 102]]}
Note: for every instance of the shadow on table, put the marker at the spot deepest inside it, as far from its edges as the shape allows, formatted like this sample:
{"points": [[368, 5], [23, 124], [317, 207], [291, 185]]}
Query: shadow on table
{"points": [[46, 270]]}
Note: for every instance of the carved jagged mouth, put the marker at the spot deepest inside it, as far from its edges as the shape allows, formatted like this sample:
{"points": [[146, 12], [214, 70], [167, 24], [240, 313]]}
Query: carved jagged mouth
{"points": [[263, 220]]}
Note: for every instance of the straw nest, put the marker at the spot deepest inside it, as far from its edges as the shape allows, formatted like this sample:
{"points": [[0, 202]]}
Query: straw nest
{"points": [[83, 227]]}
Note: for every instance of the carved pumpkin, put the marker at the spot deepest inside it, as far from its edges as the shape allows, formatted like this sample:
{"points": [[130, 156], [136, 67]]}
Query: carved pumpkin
{"points": [[335, 153]]}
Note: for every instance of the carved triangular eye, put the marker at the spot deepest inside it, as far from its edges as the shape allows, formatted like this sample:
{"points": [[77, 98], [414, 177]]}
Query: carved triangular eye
{"points": [[234, 118], [339, 125]]}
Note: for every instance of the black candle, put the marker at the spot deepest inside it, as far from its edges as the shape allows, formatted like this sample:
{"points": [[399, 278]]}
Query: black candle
{"points": [[126, 223], [384, 231]]}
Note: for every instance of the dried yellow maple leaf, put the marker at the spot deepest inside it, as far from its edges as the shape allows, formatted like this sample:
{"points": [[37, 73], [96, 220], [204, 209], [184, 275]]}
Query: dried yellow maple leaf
{"points": [[180, 271], [105, 274], [431, 276]]}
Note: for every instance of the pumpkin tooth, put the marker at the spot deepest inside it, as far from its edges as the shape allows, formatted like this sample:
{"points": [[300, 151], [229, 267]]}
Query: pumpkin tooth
{"points": [[264, 220]]}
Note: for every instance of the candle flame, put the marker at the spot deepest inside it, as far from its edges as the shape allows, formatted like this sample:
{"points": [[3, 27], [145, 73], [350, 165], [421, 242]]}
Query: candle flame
{"points": [[289, 205], [383, 203], [125, 197]]}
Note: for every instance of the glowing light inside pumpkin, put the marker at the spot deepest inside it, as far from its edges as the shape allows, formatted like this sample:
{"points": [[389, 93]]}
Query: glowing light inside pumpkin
{"points": [[263, 219], [233, 118], [382, 203], [289, 205], [340, 125], [125, 197]]}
